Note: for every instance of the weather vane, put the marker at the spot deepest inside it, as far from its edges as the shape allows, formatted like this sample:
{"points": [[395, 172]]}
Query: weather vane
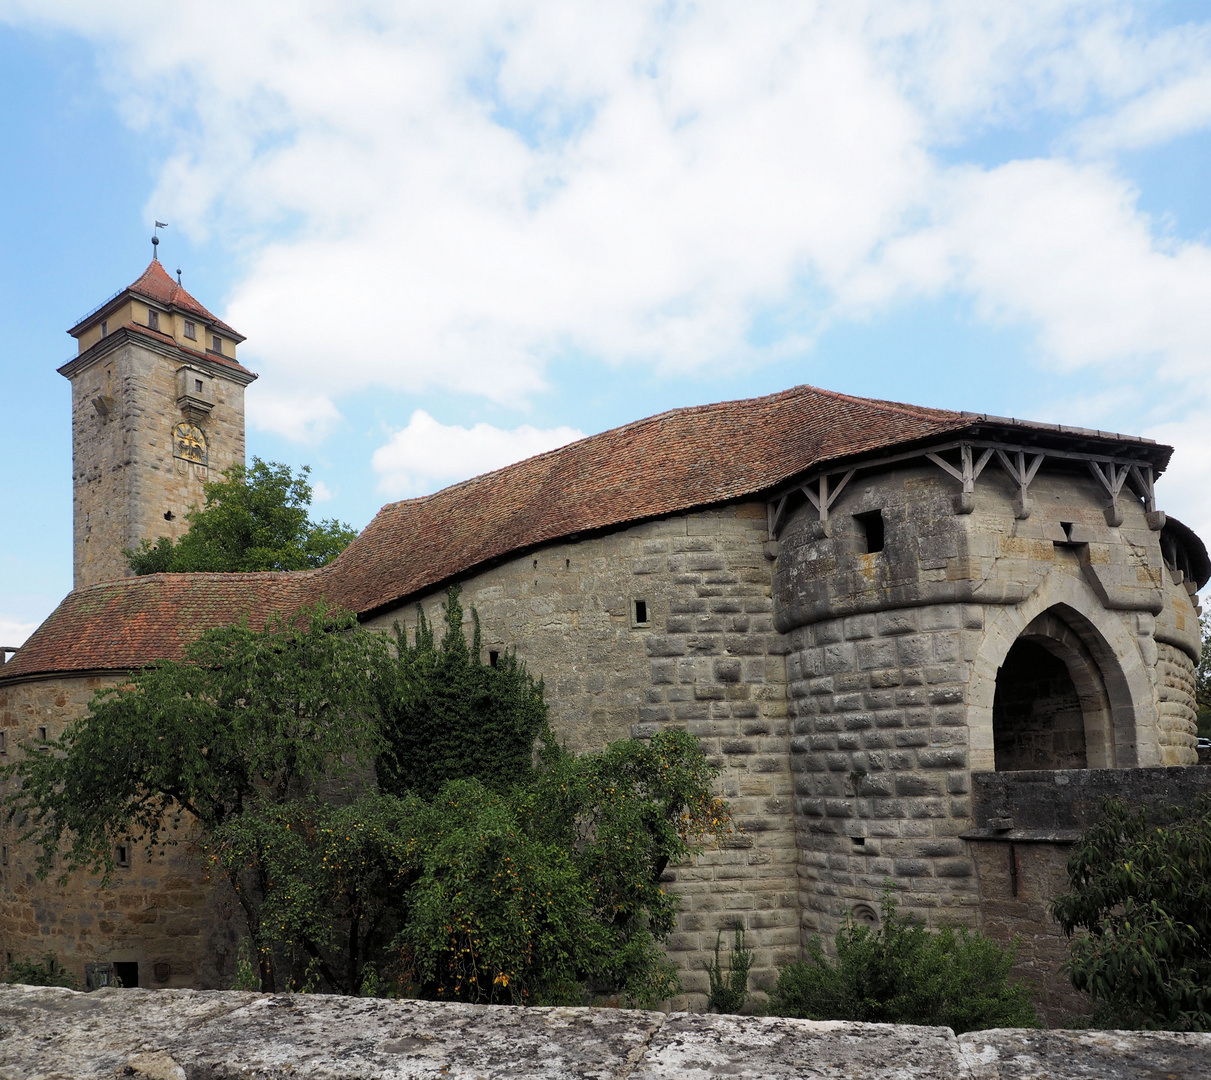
{"points": [[155, 239]]}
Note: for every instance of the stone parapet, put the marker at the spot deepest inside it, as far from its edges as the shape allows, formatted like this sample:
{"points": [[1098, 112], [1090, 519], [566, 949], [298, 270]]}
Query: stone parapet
{"points": [[177, 1034]]}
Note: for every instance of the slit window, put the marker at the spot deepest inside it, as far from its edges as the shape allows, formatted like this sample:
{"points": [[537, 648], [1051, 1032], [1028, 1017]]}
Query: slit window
{"points": [[493, 658], [191, 331], [153, 320], [640, 616], [870, 527], [3, 742], [3, 854], [42, 734], [122, 854], [105, 328]]}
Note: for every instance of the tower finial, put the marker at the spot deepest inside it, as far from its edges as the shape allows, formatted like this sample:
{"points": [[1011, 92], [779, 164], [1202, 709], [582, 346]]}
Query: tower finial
{"points": [[155, 240], [178, 275]]}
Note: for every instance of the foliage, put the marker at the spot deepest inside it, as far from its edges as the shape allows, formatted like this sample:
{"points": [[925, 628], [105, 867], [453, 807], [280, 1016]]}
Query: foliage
{"points": [[537, 895], [1202, 682], [247, 977], [449, 716], [729, 992], [254, 519], [250, 718], [44, 972], [1142, 893], [900, 973]]}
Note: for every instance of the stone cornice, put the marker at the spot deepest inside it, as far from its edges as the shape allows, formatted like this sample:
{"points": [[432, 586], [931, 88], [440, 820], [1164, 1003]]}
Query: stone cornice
{"points": [[123, 334]]}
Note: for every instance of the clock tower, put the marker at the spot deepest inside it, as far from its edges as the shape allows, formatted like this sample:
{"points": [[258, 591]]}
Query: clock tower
{"points": [[157, 409]]}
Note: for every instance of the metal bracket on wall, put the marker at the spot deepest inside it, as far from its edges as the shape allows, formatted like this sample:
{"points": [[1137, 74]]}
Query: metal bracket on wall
{"points": [[967, 474]]}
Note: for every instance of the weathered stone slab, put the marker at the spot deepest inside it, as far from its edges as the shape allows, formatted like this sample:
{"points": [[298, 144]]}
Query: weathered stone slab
{"points": [[1086, 1055], [695, 1047], [53, 1034]]}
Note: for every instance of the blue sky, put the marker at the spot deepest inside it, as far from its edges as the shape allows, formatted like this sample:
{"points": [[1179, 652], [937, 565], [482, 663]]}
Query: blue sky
{"points": [[458, 234]]}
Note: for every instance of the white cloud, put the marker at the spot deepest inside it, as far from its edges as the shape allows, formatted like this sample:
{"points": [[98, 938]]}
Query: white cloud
{"points": [[455, 196], [321, 492], [13, 632], [427, 455], [305, 418]]}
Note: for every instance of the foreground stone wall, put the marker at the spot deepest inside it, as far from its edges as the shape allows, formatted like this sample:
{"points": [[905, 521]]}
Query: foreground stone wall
{"points": [[182, 1035], [707, 659], [162, 911]]}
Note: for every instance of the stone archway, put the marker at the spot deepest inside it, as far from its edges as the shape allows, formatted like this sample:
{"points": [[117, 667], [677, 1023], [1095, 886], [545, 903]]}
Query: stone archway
{"points": [[1115, 641], [1051, 709]]}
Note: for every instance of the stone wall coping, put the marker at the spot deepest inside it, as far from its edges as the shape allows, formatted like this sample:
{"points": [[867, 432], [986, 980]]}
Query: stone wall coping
{"points": [[56, 1034]]}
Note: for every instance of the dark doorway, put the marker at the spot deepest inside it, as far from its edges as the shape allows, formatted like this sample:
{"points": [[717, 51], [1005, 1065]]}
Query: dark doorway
{"points": [[1037, 721], [127, 974]]}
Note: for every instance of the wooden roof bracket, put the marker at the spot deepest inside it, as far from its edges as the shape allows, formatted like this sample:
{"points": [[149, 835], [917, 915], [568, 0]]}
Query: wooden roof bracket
{"points": [[1142, 480], [967, 475], [822, 499], [1022, 474], [1112, 480]]}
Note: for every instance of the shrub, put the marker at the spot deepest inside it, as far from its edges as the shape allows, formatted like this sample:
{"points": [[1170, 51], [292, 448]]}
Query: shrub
{"points": [[729, 992], [1142, 894], [45, 972], [900, 973]]}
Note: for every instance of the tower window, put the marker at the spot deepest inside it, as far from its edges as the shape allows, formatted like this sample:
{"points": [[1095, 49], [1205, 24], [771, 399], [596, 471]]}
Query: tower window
{"points": [[3, 742], [122, 854], [191, 331], [639, 613], [104, 327], [197, 385], [42, 733], [216, 343], [4, 855], [153, 320], [871, 528], [493, 658]]}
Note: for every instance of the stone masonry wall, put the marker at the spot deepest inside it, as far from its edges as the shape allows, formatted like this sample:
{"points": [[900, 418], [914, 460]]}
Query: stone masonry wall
{"points": [[710, 662], [879, 752], [1178, 714], [162, 909]]}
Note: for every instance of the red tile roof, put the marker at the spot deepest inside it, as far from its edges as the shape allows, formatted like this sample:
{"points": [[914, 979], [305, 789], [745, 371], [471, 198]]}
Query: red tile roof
{"points": [[155, 283], [666, 464], [662, 465], [124, 624]]}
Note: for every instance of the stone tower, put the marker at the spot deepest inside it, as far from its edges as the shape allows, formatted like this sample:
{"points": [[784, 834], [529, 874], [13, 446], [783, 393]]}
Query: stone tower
{"points": [[157, 409]]}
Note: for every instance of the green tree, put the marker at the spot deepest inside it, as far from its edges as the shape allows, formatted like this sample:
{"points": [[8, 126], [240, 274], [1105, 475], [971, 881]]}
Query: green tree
{"points": [[249, 719], [1202, 682], [901, 973], [1141, 892], [541, 894], [254, 519], [449, 716]]}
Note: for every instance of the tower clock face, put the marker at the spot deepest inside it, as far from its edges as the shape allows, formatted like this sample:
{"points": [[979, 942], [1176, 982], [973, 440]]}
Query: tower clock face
{"points": [[189, 443]]}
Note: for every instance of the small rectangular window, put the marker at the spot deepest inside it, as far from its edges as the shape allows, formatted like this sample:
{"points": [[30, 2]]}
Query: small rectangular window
{"points": [[197, 385], [42, 733], [3, 854], [3, 742], [493, 658], [122, 854], [639, 613], [104, 327], [153, 320], [191, 331], [216, 343], [871, 527]]}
